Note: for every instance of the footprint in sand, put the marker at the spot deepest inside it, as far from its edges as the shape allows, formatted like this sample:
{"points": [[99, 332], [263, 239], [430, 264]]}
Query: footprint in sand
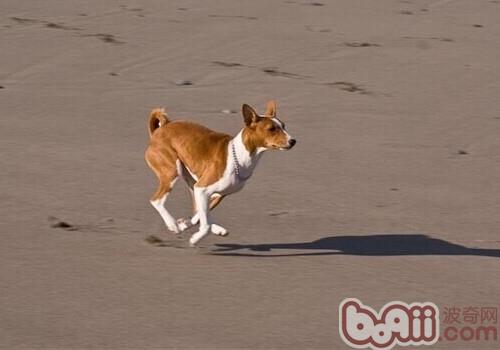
{"points": [[105, 225], [359, 44], [107, 38], [314, 3], [349, 87], [276, 72], [59, 26], [183, 82], [234, 16], [278, 213], [227, 64], [25, 20], [57, 223], [47, 24]]}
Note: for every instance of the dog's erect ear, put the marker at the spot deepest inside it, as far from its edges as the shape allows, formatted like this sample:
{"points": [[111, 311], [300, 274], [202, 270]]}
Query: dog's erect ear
{"points": [[249, 114], [271, 109]]}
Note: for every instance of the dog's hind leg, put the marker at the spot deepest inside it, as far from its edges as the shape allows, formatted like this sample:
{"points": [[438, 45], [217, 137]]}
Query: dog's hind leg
{"points": [[158, 202], [167, 176]]}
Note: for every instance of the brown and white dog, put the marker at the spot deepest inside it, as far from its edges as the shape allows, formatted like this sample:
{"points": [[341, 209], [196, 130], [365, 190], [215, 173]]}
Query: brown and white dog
{"points": [[213, 164]]}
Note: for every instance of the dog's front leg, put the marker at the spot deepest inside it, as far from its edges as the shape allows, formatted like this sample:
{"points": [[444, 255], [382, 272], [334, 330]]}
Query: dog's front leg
{"points": [[201, 198], [184, 224]]}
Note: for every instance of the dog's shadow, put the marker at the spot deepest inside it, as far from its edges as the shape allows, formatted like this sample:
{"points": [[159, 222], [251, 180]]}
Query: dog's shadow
{"points": [[369, 245]]}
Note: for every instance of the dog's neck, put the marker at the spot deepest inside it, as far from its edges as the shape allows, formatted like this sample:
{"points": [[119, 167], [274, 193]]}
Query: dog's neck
{"points": [[246, 161]]}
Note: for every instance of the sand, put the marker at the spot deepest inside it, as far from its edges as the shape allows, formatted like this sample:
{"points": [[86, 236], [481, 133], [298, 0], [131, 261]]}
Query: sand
{"points": [[391, 192]]}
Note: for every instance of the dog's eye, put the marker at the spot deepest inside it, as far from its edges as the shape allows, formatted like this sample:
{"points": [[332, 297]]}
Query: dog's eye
{"points": [[272, 129]]}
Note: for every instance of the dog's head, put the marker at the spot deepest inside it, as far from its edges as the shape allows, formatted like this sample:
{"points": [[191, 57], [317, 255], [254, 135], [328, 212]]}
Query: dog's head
{"points": [[265, 131]]}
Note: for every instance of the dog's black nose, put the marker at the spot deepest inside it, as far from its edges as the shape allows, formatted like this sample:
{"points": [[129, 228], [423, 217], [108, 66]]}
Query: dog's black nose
{"points": [[292, 142]]}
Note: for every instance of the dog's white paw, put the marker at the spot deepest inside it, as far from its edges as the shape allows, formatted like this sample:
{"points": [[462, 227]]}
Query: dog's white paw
{"points": [[198, 236], [193, 241], [218, 230], [184, 224]]}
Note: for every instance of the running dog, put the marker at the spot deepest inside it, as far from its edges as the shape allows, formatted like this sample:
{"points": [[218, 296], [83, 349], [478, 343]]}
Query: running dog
{"points": [[213, 164]]}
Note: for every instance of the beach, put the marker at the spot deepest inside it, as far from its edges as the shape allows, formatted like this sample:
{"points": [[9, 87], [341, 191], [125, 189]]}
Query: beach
{"points": [[391, 192]]}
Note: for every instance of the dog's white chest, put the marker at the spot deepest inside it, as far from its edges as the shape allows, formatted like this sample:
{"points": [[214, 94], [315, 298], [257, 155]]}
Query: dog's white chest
{"points": [[229, 183]]}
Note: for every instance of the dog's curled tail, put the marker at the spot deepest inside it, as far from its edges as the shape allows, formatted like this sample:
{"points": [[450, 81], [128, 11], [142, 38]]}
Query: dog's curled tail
{"points": [[157, 118]]}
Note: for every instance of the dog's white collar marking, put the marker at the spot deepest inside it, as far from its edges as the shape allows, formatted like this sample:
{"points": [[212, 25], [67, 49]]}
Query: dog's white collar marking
{"points": [[243, 162]]}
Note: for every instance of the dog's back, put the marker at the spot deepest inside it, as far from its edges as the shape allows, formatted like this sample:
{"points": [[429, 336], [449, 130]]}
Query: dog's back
{"points": [[200, 149]]}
